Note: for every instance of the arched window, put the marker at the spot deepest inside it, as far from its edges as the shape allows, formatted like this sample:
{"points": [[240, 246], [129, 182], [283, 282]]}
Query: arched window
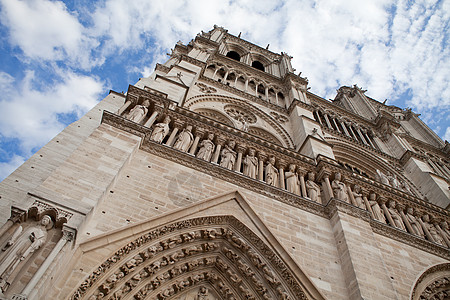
{"points": [[234, 55], [258, 65]]}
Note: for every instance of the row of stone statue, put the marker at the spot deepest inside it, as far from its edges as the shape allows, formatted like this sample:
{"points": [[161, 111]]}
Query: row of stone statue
{"points": [[231, 158], [392, 180], [251, 165]]}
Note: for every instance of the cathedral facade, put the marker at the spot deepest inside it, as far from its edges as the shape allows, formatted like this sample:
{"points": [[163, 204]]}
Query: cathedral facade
{"points": [[220, 176]]}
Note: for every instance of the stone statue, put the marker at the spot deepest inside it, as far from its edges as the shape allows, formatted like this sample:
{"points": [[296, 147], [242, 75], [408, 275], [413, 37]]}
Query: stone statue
{"points": [[250, 164], [138, 112], [312, 187], [271, 172], [393, 180], [339, 188], [357, 195], [184, 140], [382, 177], [413, 222], [228, 156], [160, 130], [405, 187], [22, 244], [398, 222], [292, 182], [432, 230], [206, 148], [378, 214], [445, 230]]}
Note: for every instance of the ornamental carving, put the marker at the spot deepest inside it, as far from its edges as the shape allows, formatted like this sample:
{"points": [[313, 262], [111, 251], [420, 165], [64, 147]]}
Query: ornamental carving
{"points": [[280, 118], [205, 89], [201, 257], [240, 114]]}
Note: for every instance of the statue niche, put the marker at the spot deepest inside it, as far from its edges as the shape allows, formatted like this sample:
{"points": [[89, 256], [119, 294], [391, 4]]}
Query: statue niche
{"points": [[20, 248]]}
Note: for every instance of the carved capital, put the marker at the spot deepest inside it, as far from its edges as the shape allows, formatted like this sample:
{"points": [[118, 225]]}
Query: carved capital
{"points": [[69, 233], [17, 215]]}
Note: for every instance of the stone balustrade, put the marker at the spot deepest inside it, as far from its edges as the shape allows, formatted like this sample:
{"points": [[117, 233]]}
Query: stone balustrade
{"points": [[318, 180]]}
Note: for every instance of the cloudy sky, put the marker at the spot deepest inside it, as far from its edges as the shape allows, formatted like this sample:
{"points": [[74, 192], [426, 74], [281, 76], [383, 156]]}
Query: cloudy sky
{"points": [[58, 59]]}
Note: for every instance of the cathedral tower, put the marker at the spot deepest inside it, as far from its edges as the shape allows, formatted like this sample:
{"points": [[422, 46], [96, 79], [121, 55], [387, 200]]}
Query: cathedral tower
{"points": [[220, 176]]}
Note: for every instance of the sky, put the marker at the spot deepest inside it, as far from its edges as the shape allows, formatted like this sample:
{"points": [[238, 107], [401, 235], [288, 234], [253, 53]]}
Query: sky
{"points": [[58, 59]]}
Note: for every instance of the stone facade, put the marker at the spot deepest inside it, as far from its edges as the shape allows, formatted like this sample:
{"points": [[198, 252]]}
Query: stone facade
{"points": [[221, 176]]}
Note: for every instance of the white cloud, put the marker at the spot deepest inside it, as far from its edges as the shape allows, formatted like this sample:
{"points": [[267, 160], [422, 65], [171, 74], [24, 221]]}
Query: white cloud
{"points": [[45, 30], [8, 167], [31, 115]]}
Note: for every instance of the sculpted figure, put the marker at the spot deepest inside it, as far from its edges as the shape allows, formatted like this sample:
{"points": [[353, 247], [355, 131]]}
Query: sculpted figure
{"points": [[292, 182], [250, 164], [312, 187], [405, 187], [206, 148], [228, 156], [445, 230], [393, 180], [357, 195], [432, 230], [339, 188], [138, 112], [271, 172], [414, 223], [22, 244], [398, 222], [378, 214], [160, 131], [184, 140], [382, 177]]}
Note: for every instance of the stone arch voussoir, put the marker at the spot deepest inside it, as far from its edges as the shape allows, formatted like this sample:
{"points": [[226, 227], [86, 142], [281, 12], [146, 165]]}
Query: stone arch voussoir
{"points": [[218, 255]]}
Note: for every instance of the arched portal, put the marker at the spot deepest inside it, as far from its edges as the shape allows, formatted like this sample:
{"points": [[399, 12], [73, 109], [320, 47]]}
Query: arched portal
{"points": [[434, 283], [216, 255]]}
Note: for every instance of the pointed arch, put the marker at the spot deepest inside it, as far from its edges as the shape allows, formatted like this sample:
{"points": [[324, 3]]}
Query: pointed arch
{"points": [[434, 283], [216, 251]]}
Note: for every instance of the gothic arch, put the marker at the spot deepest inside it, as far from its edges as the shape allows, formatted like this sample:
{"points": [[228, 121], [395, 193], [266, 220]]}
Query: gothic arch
{"points": [[281, 134], [215, 115], [434, 283], [365, 161], [218, 253]]}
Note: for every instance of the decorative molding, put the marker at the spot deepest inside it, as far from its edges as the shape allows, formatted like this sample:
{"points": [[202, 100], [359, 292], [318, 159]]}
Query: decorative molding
{"points": [[168, 259], [434, 283]]}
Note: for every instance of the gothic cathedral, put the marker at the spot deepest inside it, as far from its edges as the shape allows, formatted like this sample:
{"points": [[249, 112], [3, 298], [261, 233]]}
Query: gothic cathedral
{"points": [[221, 176]]}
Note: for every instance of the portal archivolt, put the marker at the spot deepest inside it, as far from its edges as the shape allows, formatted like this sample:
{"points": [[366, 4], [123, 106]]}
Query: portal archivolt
{"points": [[211, 257]]}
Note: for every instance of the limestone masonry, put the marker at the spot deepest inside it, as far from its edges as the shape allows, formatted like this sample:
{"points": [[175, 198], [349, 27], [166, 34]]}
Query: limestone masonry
{"points": [[221, 176]]}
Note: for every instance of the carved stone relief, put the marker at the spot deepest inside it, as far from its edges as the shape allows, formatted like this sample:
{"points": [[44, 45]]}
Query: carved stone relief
{"points": [[206, 258]]}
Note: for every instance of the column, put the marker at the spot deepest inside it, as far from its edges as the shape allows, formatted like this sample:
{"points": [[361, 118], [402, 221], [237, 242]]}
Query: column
{"points": [[225, 77], [382, 202], [351, 130], [267, 93], [17, 215], [335, 124], [345, 129], [240, 149], [281, 166], [301, 175], [68, 235], [366, 135], [246, 85], [318, 117], [261, 158], [361, 136], [276, 96], [369, 208], [408, 226], [215, 72], [198, 134], [425, 230], [151, 120], [444, 236], [219, 143], [328, 121], [327, 187], [124, 107], [176, 125]]}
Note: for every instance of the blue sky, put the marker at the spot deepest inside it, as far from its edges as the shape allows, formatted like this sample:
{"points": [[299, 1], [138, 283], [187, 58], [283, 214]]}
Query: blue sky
{"points": [[58, 59]]}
